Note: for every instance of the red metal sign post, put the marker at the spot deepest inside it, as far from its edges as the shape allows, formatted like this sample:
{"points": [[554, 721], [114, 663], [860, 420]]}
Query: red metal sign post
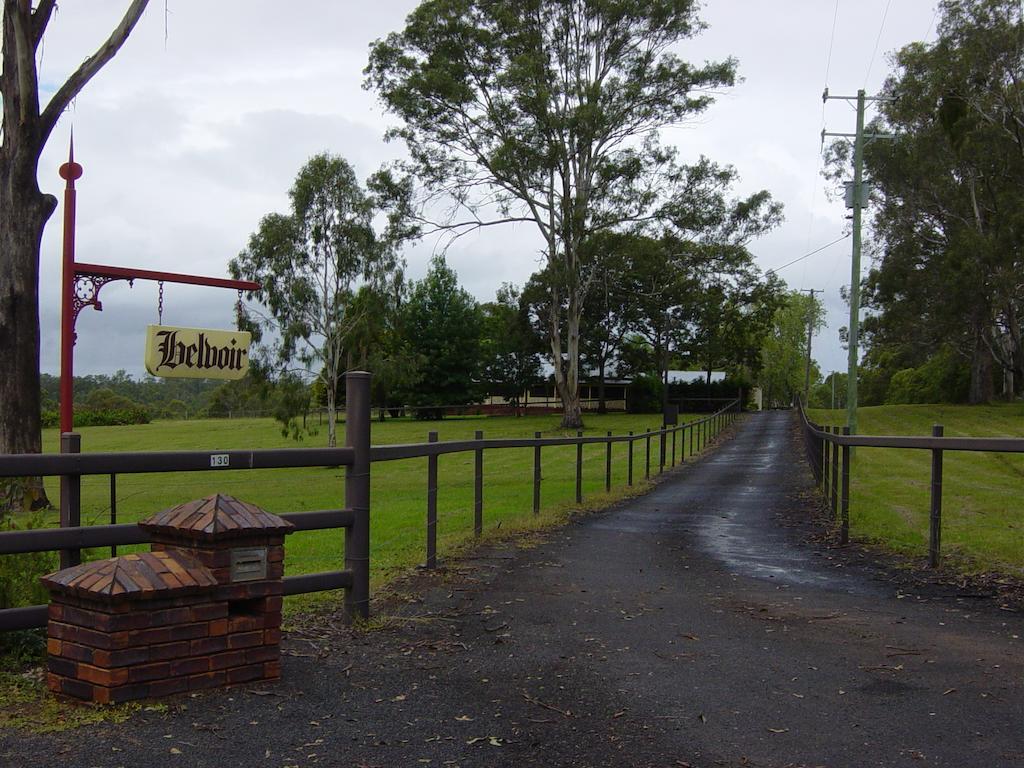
{"points": [[81, 284]]}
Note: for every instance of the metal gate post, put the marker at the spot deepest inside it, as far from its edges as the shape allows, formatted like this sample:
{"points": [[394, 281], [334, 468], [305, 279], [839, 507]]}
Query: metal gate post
{"points": [[579, 468], [608, 464], [431, 505], [629, 476], [478, 488], [70, 498], [536, 475], [647, 471], [357, 493], [935, 513], [834, 476]]}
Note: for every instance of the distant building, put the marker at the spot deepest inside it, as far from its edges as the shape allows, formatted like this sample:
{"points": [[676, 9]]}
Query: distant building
{"points": [[616, 391]]}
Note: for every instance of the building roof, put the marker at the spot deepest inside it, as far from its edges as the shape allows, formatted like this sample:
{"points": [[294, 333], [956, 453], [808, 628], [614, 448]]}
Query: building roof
{"points": [[688, 377]]}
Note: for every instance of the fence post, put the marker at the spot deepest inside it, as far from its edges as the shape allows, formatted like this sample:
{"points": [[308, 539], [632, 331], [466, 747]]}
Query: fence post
{"points": [[536, 475], [357, 494], [834, 476], [478, 488], [431, 505], [674, 430], [662, 440], [579, 468], [608, 464], [70, 498], [647, 471], [113, 509], [935, 515], [691, 439], [844, 530], [825, 446], [629, 476]]}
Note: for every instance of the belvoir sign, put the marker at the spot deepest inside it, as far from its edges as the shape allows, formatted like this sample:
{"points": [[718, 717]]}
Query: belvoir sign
{"points": [[196, 353]]}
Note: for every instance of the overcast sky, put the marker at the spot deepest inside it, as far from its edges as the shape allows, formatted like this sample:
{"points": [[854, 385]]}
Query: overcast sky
{"points": [[198, 127]]}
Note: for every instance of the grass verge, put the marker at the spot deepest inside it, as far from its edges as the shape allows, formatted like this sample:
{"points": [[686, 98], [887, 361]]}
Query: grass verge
{"points": [[982, 508]]}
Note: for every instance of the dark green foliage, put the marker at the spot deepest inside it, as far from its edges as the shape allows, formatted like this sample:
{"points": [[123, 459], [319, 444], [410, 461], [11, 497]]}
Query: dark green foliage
{"points": [[19, 574], [100, 417], [950, 217], [441, 324], [645, 395], [832, 391], [509, 347], [161, 397], [783, 369], [944, 378], [290, 400], [700, 397]]}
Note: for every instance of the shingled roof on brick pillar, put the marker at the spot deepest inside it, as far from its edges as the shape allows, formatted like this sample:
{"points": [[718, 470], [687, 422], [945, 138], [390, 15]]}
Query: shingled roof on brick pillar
{"points": [[217, 516], [137, 576]]}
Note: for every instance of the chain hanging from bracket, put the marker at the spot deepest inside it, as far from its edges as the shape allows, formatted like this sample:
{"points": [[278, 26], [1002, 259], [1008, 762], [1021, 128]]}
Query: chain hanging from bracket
{"points": [[160, 304], [239, 309]]}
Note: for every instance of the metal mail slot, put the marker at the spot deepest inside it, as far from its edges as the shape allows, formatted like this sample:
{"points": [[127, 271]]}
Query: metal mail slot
{"points": [[249, 564]]}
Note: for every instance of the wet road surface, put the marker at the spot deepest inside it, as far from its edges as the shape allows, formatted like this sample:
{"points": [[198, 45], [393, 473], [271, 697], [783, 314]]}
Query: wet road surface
{"points": [[689, 627]]}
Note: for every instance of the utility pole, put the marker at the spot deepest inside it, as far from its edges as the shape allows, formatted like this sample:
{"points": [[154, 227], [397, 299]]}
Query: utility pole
{"points": [[810, 333], [858, 201]]}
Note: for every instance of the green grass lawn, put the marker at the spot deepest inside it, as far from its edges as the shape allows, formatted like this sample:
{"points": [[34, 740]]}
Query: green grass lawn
{"points": [[982, 493], [398, 488]]}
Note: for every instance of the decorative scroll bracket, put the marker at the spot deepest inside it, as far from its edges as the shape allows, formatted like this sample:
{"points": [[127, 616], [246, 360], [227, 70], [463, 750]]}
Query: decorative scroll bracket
{"points": [[87, 294]]}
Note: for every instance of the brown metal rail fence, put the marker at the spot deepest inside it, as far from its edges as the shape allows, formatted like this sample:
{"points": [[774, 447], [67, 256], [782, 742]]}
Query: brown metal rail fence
{"points": [[828, 451], [706, 428], [356, 457], [72, 537]]}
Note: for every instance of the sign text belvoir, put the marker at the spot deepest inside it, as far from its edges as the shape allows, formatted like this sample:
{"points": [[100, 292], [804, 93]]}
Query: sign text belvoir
{"points": [[196, 353]]}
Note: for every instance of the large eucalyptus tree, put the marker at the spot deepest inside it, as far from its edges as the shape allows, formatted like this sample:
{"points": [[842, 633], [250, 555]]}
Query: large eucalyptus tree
{"points": [[24, 211], [547, 112], [311, 262]]}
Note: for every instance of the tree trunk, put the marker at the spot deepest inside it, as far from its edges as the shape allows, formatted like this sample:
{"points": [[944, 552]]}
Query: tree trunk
{"points": [[332, 395], [22, 218], [602, 406], [981, 372], [566, 371]]}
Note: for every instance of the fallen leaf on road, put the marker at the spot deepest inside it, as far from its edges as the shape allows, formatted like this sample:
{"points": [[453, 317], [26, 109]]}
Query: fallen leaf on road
{"points": [[949, 691], [464, 719], [779, 730]]}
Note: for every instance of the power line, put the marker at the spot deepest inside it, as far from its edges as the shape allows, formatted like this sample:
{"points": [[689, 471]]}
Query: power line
{"points": [[877, 41], [815, 180], [932, 25], [831, 42], [807, 255]]}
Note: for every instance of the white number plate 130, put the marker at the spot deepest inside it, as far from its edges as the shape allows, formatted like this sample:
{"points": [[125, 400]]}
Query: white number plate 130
{"points": [[219, 460]]}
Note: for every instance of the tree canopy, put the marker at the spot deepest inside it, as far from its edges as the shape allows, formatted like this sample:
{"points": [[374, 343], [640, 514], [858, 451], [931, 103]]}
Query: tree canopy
{"points": [[949, 226], [311, 262], [548, 112]]}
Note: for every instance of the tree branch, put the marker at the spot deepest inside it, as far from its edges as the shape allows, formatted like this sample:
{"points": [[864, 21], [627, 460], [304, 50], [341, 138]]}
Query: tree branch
{"points": [[40, 18], [74, 84]]}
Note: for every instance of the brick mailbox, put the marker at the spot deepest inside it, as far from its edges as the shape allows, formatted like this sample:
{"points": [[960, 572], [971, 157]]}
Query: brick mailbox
{"points": [[201, 610]]}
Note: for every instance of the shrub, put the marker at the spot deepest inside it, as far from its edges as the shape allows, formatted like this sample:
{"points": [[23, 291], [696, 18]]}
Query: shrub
{"points": [[644, 395], [943, 378], [105, 417]]}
